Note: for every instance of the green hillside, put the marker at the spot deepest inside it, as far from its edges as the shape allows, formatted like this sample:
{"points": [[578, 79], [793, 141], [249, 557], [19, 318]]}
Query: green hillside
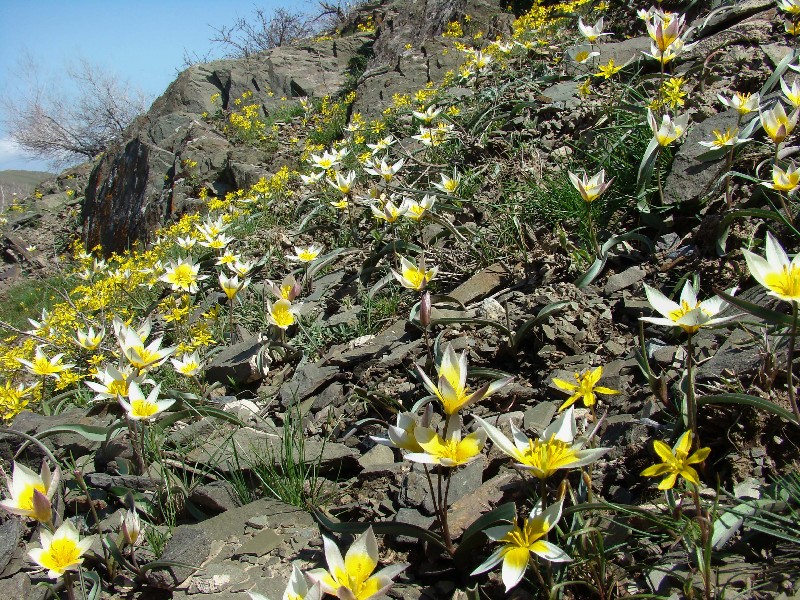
{"points": [[21, 182]]}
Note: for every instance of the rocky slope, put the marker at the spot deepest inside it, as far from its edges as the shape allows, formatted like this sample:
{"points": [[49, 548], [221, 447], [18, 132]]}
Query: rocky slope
{"points": [[511, 245]]}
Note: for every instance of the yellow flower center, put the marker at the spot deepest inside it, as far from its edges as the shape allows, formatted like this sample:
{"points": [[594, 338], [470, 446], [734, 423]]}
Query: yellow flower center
{"points": [[143, 408], [785, 283], [307, 255], [525, 537], [450, 185], [118, 387], [582, 56], [42, 366], [61, 554], [547, 456], [189, 368], [685, 308], [25, 500], [416, 277], [286, 291], [182, 276], [720, 139], [141, 357], [359, 582], [282, 315]]}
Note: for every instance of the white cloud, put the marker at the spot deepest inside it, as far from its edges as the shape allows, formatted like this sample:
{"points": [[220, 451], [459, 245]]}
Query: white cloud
{"points": [[12, 156]]}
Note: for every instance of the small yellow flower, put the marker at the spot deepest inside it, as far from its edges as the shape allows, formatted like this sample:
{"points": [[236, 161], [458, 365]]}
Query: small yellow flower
{"points": [[452, 390], [140, 408], [555, 449], [777, 124], [585, 388], [23, 488], [608, 70], [305, 254], [676, 462]]}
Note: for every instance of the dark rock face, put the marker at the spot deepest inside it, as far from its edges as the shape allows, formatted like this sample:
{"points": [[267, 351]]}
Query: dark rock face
{"points": [[118, 207]]}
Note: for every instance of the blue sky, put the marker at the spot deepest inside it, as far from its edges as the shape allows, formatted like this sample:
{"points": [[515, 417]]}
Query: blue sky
{"points": [[142, 41]]}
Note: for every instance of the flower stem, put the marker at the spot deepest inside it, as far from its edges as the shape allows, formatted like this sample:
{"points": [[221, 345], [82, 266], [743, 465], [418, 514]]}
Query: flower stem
{"points": [[789, 361], [592, 234], [68, 585], [703, 522], [691, 403]]}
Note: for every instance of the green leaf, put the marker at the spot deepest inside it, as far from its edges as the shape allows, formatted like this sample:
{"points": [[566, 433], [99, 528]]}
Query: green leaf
{"points": [[382, 283], [600, 261], [166, 564], [202, 411], [506, 513], [646, 166], [748, 400], [540, 317], [470, 540], [324, 261], [92, 433], [471, 321], [772, 317], [381, 528], [778, 73]]}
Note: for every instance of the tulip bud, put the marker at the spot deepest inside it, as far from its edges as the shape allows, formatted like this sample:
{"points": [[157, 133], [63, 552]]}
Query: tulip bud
{"points": [[427, 415], [425, 310], [42, 509], [131, 526]]}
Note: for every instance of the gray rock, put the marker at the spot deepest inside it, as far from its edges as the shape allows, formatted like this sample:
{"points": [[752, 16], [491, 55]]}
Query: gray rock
{"points": [[690, 179], [733, 14], [217, 495], [237, 363], [264, 542], [190, 545], [19, 586], [411, 516], [305, 381], [104, 481], [467, 509], [481, 284], [625, 51], [63, 444], [562, 95], [625, 279], [377, 455], [221, 578], [10, 534]]}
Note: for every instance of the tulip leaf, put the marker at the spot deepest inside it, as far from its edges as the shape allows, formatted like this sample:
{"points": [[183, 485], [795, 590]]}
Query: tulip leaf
{"points": [[748, 400], [540, 317], [323, 261], [97, 586], [382, 283], [600, 261], [382, 528], [647, 166], [466, 551], [93, 433], [778, 73], [593, 272], [772, 317], [166, 564], [204, 411], [472, 321], [491, 373]]}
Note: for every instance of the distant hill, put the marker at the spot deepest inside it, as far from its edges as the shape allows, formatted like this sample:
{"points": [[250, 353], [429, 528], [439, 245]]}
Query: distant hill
{"points": [[20, 182]]}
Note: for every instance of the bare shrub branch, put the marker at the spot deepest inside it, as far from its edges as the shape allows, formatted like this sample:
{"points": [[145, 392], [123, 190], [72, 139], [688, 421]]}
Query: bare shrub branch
{"points": [[74, 118]]}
